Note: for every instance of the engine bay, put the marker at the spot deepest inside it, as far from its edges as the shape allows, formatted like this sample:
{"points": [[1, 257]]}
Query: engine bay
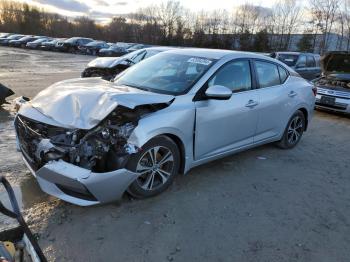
{"points": [[101, 149]]}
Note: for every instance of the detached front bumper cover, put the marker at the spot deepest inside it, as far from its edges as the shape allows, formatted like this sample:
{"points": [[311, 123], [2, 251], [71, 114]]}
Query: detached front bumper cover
{"points": [[80, 186]]}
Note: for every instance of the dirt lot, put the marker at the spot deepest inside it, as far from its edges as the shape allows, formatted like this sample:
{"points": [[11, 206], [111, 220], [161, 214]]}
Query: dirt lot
{"points": [[265, 204]]}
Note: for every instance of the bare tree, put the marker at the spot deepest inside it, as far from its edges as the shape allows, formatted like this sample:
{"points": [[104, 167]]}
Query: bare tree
{"points": [[286, 15], [346, 21], [324, 14]]}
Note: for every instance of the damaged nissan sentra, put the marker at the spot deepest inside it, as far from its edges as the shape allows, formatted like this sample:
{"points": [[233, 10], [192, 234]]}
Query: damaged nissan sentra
{"points": [[88, 141]]}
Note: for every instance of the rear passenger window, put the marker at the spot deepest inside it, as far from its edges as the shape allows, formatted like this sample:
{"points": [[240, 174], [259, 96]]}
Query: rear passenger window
{"points": [[267, 73], [283, 74], [310, 61]]}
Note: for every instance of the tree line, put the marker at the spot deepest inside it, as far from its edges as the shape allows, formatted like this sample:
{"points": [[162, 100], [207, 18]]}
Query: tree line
{"points": [[248, 27]]}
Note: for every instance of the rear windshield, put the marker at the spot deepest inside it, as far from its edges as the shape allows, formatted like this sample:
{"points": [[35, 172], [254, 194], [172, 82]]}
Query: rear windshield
{"points": [[288, 59]]}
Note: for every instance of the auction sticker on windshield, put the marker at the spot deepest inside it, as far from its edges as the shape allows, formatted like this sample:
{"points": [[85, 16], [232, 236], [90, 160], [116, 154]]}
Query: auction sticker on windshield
{"points": [[201, 61]]}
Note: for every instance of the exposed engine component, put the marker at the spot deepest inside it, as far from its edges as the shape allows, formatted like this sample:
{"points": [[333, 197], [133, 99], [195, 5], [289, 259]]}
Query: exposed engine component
{"points": [[85, 148], [333, 82]]}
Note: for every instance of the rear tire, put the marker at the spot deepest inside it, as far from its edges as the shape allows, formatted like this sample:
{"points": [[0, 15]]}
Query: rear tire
{"points": [[293, 132], [158, 163]]}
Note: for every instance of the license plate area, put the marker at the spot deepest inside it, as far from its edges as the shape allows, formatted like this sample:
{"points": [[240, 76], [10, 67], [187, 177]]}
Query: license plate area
{"points": [[327, 100]]}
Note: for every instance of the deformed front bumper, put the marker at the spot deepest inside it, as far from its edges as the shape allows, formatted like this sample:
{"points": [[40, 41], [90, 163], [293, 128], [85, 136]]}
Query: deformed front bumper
{"points": [[80, 186]]}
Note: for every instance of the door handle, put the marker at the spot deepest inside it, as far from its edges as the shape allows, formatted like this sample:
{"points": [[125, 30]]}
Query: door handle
{"points": [[251, 103], [292, 94]]}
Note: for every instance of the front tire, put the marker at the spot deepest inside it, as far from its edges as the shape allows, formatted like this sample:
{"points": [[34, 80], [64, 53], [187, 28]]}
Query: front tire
{"points": [[157, 163], [293, 132]]}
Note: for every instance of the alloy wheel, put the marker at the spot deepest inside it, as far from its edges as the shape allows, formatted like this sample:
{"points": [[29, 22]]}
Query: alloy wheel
{"points": [[155, 167], [295, 130]]}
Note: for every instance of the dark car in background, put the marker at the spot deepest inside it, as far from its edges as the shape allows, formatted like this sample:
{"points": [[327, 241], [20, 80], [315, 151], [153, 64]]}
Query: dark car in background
{"points": [[306, 64], [50, 45], [5, 41], [333, 87], [37, 43], [93, 47], [109, 67], [113, 50], [22, 42], [72, 45], [137, 47], [5, 35]]}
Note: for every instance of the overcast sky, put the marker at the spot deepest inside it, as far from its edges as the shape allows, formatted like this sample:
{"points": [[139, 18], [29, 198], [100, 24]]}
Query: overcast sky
{"points": [[104, 9]]}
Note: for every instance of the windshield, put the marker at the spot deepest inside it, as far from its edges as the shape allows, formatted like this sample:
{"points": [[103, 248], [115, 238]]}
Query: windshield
{"points": [[95, 43], [15, 37], [40, 40], [71, 40], [26, 38], [165, 73], [132, 55], [288, 59]]}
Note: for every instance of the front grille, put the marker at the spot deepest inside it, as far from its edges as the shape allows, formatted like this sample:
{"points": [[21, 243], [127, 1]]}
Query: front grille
{"points": [[28, 139]]}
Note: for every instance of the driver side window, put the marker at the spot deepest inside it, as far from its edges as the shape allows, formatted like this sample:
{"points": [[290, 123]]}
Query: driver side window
{"points": [[234, 75]]}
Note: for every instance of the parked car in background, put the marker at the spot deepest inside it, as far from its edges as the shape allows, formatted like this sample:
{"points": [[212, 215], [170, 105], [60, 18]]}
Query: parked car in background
{"points": [[37, 43], [169, 113], [22, 42], [59, 45], [5, 35], [109, 67], [93, 47], [306, 64], [333, 87], [50, 45], [137, 47], [5, 41], [72, 45], [114, 50]]}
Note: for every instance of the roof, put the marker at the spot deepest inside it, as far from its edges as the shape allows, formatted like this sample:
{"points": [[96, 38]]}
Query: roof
{"points": [[294, 53], [160, 48], [218, 53], [202, 52]]}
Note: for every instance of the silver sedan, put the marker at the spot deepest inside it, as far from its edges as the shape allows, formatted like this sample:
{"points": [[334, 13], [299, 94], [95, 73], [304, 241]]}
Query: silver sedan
{"points": [[88, 141]]}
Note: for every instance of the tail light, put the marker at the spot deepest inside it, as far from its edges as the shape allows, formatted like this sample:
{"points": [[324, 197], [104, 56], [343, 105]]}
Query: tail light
{"points": [[314, 90]]}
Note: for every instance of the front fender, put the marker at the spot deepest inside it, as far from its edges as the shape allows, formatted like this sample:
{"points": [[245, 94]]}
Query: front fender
{"points": [[177, 120]]}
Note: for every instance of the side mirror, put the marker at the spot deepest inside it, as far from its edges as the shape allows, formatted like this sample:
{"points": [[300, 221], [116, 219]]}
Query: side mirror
{"points": [[218, 92]]}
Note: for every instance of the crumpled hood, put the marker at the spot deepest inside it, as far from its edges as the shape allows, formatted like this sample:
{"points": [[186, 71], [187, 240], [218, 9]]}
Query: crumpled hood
{"points": [[333, 62], [105, 62], [83, 103]]}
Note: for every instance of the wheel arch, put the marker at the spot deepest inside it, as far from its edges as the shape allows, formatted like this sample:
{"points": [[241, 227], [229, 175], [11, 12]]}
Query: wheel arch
{"points": [[181, 147], [306, 116]]}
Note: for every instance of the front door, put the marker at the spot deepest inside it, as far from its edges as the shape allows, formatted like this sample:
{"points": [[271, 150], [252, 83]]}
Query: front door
{"points": [[224, 125]]}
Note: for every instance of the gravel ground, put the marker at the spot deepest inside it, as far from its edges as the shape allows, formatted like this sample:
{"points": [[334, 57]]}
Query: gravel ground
{"points": [[265, 204]]}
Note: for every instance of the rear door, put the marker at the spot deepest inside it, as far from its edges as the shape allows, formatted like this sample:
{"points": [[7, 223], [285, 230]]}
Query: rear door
{"points": [[275, 99]]}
